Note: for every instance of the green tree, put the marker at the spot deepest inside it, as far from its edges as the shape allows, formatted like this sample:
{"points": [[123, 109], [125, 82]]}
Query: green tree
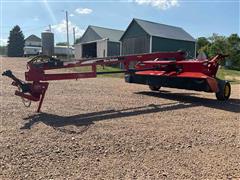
{"points": [[16, 42], [202, 42], [62, 44], [3, 50], [233, 42], [77, 40], [218, 45]]}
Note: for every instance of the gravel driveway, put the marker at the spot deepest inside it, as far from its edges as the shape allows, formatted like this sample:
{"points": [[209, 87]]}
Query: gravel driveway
{"points": [[104, 128]]}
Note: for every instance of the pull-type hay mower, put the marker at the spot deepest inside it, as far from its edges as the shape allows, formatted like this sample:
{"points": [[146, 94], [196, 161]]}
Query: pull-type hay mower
{"points": [[156, 70]]}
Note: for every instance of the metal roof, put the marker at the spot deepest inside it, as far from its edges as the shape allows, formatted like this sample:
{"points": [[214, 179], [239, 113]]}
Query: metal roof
{"points": [[164, 31], [112, 34], [33, 38]]}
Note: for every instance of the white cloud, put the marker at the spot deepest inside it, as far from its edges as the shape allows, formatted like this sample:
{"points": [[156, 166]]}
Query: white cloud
{"points": [[61, 28], [71, 15], [161, 4], [3, 42], [83, 11]]}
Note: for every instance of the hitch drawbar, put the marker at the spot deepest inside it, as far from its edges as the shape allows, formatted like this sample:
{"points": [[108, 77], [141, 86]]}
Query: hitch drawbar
{"points": [[159, 69], [28, 91], [37, 78]]}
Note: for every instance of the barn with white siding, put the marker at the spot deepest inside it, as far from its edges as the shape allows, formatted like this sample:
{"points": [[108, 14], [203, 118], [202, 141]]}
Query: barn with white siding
{"points": [[33, 45], [33, 41], [98, 42]]}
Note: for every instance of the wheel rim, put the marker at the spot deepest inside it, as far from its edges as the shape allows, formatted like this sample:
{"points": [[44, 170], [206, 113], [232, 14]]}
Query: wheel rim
{"points": [[226, 91]]}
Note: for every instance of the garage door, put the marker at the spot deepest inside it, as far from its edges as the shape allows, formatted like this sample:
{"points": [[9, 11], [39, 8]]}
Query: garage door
{"points": [[89, 50]]}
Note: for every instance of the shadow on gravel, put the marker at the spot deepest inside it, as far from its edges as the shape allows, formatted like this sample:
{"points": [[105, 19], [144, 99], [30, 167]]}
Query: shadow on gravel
{"points": [[185, 100], [87, 119], [232, 105]]}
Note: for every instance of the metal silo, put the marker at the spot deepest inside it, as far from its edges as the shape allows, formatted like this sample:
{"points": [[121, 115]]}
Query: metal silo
{"points": [[48, 43]]}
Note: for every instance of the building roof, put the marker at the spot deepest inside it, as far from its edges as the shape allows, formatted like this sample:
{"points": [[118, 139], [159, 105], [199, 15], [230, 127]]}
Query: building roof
{"points": [[163, 30], [33, 38], [112, 34]]}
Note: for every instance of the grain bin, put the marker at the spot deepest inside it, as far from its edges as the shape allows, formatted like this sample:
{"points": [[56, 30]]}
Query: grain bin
{"points": [[48, 43]]}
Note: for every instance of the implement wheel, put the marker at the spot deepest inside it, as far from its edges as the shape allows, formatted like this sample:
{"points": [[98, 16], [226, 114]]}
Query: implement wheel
{"points": [[224, 90], [154, 88]]}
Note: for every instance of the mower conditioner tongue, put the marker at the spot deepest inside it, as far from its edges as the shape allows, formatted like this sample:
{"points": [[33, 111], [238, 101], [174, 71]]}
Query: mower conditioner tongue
{"points": [[165, 69]]}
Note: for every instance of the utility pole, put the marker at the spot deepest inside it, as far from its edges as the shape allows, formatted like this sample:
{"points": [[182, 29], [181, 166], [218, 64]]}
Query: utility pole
{"points": [[67, 35], [74, 35]]}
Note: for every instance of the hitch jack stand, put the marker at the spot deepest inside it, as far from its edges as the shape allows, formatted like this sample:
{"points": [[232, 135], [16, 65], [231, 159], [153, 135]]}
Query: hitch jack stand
{"points": [[41, 101]]}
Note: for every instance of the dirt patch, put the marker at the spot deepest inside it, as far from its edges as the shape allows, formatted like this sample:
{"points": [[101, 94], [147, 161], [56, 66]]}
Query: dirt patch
{"points": [[105, 128]]}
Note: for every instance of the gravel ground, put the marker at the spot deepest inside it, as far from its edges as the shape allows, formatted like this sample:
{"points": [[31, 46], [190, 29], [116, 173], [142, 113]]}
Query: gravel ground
{"points": [[105, 128]]}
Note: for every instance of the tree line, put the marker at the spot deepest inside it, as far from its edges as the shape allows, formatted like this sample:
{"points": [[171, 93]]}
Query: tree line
{"points": [[211, 46], [3, 50], [217, 44]]}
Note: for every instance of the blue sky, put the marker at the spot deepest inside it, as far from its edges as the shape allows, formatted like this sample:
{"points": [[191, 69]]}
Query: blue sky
{"points": [[199, 18]]}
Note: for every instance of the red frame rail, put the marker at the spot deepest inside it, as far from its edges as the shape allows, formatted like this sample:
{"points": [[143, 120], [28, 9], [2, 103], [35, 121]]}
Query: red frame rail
{"points": [[37, 74]]}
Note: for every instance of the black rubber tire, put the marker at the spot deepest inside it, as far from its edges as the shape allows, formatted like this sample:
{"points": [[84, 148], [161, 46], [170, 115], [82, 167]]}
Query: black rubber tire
{"points": [[224, 90], [154, 88]]}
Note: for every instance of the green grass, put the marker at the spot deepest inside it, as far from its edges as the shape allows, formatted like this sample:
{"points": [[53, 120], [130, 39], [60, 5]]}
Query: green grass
{"points": [[109, 69], [101, 69], [224, 74], [228, 74]]}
